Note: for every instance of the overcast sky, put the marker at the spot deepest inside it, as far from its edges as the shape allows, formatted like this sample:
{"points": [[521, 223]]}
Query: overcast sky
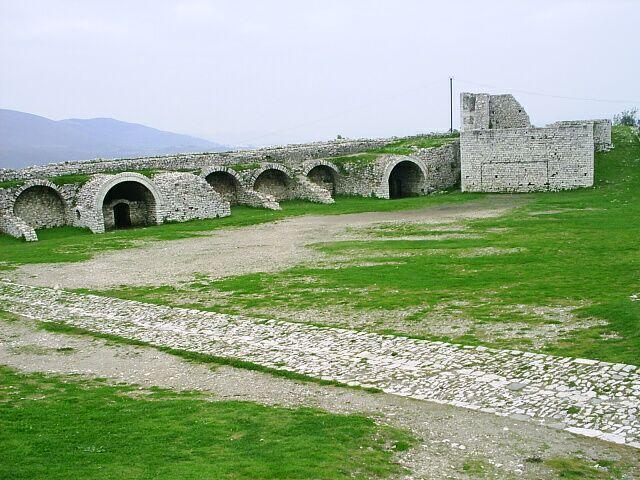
{"points": [[266, 72]]}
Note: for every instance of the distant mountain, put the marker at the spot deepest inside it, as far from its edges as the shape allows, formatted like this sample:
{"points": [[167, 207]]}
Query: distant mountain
{"points": [[27, 139]]}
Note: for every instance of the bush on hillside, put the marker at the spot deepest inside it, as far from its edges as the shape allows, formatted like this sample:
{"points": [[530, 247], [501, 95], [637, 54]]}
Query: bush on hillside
{"points": [[627, 118]]}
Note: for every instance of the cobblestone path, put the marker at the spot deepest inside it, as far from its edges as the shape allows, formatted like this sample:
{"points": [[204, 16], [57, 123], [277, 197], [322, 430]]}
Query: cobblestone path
{"points": [[583, 396]]}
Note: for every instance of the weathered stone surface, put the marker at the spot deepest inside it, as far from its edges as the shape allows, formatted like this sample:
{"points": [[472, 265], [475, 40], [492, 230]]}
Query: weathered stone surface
{"points": [[477, 378], [501, 152], [189, 197]]}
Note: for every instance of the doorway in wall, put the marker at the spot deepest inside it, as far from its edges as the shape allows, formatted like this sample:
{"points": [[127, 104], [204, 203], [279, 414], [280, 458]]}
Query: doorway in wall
{"points": [[122, 215], [406, 180]]}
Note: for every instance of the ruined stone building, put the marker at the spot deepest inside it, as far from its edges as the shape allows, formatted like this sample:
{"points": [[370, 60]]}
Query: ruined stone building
{"points": [[502, 152], [108, 194], [498, 151]]}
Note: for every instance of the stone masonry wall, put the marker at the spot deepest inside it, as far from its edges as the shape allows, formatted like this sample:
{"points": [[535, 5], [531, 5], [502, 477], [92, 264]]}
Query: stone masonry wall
{"points": [[180, 196], [188, 197], [506, 112], [474, 111], [601, 131], [440, 167], [40, 207], [483, 111], [527, 159], [290, 155]]}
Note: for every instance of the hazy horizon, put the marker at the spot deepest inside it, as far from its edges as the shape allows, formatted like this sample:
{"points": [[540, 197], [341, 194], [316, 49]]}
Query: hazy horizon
{"points": [[263, 73]]}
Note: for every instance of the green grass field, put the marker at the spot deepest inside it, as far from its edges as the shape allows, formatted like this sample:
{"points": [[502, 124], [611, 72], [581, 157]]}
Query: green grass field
{"points": [[565, 282], [62, 427]]}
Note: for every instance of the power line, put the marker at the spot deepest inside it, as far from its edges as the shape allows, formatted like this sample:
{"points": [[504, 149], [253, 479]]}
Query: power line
{"points": [[539, 94]]}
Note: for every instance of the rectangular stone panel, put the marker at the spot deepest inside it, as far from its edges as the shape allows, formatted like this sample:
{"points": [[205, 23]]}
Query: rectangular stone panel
{"points": [[514, 176]]}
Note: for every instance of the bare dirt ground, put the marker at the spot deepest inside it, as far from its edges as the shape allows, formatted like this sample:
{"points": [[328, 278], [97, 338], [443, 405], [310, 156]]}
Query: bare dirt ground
{"points": [[262, 248], [454, 442]]}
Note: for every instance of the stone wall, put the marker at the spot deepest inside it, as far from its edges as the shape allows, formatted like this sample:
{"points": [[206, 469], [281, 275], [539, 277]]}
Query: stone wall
{"points": [[506, 112], [501, 152], [16, 227], [290, 155], [275, 183], [125, 199], [479, 111], [439, 167], [527, 159], [90, 202], [189, 197], [442, 166], [601, 131], [40, 206], [474, 111]]}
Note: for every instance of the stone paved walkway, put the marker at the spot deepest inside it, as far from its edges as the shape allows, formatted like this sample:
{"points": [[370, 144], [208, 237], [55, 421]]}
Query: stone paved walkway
{"points": [[587, 397]]}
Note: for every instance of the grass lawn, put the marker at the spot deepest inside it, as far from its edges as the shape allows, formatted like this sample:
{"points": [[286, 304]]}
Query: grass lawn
{"points": [[70, 244], [61, 427], [560, 275]]}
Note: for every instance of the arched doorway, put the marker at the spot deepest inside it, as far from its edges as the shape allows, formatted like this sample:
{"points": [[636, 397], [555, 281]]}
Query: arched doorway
{"points": [[128, 204], [225, 184], [40, 206], [406, 180], [273, 182], [121, 215], [324, 176]]}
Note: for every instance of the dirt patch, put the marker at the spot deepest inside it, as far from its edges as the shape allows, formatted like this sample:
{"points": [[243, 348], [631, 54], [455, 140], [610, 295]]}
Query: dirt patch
{"points": [[262, 248], [451, 438]]}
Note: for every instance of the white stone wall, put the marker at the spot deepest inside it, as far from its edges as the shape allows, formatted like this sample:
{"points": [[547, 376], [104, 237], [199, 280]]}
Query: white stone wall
{"points": [[480, 111], [506, 112], [189, 197], [601, 131], [474, 111], [289, 155], [527, 159], [16, 227], [40, 206]]}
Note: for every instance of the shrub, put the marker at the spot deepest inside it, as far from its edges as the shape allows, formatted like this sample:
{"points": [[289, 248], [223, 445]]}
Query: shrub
{"points": [[627, 118]]}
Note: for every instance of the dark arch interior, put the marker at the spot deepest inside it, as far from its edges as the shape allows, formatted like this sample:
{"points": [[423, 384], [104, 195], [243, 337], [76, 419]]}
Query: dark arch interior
{"points": [[273, 182], [323, 176], [128, 204], [406, 180], [122, 215], [225, 184], [40, 207]]}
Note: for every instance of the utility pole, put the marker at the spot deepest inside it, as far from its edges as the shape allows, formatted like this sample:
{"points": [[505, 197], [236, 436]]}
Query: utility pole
{"points": [[451, 103]]}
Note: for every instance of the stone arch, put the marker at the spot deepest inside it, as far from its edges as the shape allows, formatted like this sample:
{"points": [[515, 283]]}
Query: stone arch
{"points": [[403, 177], [322, 173], [40, 204], [135, 190], [272, 179], [225, 181]]}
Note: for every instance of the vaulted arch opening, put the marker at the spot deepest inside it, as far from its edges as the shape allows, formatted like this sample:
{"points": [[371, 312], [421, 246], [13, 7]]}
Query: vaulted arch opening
{"points": [[128, 204], [324, 176], [406, 180], [225, 184], [40, 206], [273, 182]]}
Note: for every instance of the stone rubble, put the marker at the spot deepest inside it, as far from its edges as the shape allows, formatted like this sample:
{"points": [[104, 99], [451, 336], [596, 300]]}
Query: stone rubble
{"points": [[583, 396]]}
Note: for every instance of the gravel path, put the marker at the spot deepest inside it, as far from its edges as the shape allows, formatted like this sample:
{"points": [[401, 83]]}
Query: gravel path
{"points": [[262, 248], [450, 437], [588, 397]]}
